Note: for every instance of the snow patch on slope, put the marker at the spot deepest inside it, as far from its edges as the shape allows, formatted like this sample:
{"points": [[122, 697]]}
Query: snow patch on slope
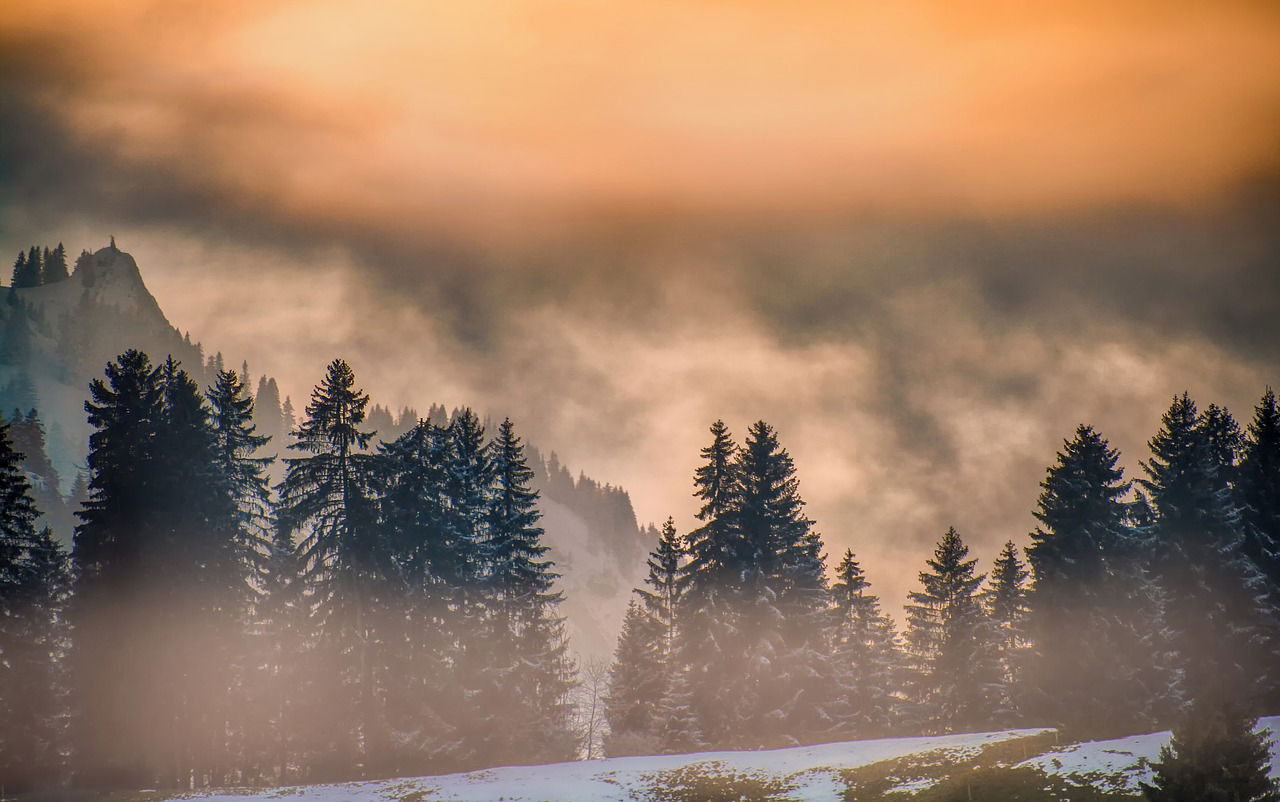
{"points": [[814, 769], [1122, 764]]}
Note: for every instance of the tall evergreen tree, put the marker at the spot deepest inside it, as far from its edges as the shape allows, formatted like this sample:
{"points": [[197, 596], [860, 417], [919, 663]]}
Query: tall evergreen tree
{"points": [[785, 597], [709, 654], [329, 497], [1214, 591], [111, 665], [33, 583], [1258, 492], [54, 268], [662, 601], [867, 655], [636, 687], [951, 643], [526, 633], [1092, 600], [26, 270], [1215, 756], [1006, 601]]}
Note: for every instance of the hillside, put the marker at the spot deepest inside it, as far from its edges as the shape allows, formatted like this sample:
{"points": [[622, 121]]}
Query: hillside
{"points": [[1008, 765], [56, 337]]}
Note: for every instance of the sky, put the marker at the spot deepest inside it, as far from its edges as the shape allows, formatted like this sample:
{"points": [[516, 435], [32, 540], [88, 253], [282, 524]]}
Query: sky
{"points": [[924, 240]]}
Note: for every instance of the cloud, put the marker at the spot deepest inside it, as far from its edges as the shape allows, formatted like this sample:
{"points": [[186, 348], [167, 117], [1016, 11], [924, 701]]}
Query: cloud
{"points": [[923, 243]]}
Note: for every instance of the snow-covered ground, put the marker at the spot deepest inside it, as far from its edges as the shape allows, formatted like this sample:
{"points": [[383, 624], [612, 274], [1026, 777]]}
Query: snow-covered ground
{"points": [[812, 772], [813, 769], [1123, 763]]}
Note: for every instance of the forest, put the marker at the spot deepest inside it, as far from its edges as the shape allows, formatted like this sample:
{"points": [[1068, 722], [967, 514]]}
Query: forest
{"points": [[387, 607]]}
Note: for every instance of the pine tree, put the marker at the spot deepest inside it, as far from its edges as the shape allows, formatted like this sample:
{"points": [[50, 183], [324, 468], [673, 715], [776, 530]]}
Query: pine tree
{"points": [[1091, 601], [1258, 489], [27, 269], [1214, 590], [328, 496], [526, 634], [867, 656], [1006, 601], [1215, 755], [111, 664], [785, 603], [415, 516], [710, 656], [663, 601], [33, 583], [636, 686], [55, 266], [950, 640]]}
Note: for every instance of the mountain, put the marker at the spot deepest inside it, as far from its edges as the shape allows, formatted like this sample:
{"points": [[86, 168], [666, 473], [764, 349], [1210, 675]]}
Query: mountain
{"points": [[1008, 765], [57, 336]]}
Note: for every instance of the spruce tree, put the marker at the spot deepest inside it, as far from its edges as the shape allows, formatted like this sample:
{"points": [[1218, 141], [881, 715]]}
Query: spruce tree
{"points": [[328, 496], [1215, 755], [662, 601], [710, 655], [112, 656], [1214, 591], [1258, 492], [1006, 601], [33, 584], [785, 600], [526, 635], [636, 686], [55, 266], [867, 656], [951, 643], [1091, 599], [26, 270]]}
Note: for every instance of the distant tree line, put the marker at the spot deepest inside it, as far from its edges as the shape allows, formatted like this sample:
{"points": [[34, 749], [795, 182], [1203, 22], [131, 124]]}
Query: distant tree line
{"points": [[387, 609], [1133, 605], [38, 266]]}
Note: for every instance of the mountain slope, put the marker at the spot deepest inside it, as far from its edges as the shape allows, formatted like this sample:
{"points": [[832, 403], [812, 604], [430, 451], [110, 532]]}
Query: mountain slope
{"points": [[1013, 764], [56, 337]]}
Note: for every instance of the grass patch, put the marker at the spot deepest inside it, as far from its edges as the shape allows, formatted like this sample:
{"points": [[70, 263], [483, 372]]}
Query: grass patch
{"points": [[713, 782], [951, 775]]}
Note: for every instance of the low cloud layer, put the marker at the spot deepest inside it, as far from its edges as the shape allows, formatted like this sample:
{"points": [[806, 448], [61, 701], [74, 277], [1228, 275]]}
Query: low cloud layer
{"points": [[923, 245]]}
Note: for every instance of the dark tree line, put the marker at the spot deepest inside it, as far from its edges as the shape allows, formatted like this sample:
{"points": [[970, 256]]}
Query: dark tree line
{"points": [[1134, 608], [387, 609]]}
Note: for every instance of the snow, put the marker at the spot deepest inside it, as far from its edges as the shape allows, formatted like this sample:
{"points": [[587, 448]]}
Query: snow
{"points": [[1121, 764], [814, 769]]}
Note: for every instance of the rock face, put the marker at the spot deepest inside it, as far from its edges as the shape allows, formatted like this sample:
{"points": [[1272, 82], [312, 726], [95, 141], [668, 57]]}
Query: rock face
{"points": [[58, 336]]}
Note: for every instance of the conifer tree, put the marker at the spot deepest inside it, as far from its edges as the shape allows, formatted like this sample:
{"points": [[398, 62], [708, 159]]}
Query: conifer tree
{"points": [[636, 686], [328, 496], [415, 516], [867, 655], [110, 662], [1258, 489], [1006, 601], [1091, 601], [663, 600], [33, 583], [26, 270], [785, 598], [950, 640], [527, 637], [54, 268], [1215, 755], [710, 656], [1214, 591]]}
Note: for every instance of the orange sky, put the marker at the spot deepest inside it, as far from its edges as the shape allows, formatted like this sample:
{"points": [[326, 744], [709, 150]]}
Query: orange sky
{"points": [[923, 239], [519, 117]]}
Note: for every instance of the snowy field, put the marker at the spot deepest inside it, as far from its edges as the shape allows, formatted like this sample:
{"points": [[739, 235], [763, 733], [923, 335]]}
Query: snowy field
{"points": [[811, 773], [1121, 764]]}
